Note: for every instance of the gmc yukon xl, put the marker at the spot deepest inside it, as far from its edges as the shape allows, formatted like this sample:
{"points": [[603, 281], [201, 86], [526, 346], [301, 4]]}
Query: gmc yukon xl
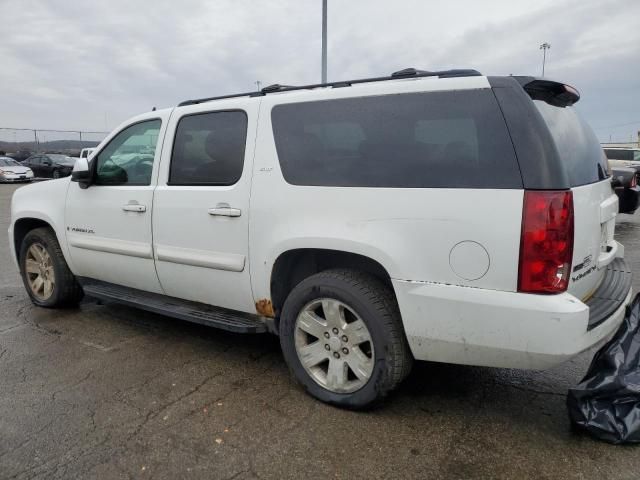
{"points": [[442, 216]]}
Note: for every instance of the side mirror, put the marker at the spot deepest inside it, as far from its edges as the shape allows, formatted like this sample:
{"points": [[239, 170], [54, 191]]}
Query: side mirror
{"points": [[81, 173], [46, 163]]}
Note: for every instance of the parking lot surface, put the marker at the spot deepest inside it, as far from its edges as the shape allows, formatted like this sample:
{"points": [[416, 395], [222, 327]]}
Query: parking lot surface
{"points": [[106, 391]]}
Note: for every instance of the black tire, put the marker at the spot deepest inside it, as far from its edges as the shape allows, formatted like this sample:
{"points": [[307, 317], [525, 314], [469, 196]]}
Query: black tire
{"points": [[376, 305], [66, 290], [56, 174]]}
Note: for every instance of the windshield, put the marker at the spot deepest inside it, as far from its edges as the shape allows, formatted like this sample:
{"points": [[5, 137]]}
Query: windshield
{"points": [[577, 145], [7, 162]]}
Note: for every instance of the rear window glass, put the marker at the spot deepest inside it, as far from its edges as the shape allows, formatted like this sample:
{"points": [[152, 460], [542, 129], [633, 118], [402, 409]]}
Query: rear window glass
{"points": [[578, 146], [455, 139], [622, 154]]}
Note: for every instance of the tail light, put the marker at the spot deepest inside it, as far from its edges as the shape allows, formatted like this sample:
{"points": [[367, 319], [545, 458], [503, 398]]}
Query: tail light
{"points": [[546, 242], [634, 181]]}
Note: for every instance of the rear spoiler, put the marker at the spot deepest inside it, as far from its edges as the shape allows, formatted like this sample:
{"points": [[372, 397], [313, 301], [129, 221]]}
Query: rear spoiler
{"points": [[554, 93]]}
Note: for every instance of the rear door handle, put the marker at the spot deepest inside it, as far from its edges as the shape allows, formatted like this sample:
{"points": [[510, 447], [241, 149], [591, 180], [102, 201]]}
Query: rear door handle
{"points": [[225, 212], [134, 207]]}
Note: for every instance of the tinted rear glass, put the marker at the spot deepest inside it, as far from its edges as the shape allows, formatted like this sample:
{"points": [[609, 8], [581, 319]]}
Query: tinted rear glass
{"points": [[620, 154], [578, 146], [455, 139]]}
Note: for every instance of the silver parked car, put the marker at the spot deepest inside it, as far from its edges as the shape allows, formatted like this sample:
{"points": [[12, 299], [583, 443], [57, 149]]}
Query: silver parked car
{"points": [[13, 171]]}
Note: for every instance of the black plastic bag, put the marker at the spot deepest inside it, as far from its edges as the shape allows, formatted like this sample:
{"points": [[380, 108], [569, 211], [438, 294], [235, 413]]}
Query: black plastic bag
{"points": [[606, 403]]}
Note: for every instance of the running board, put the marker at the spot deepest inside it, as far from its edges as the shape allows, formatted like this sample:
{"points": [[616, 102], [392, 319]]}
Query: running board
{"points": [[201, 313]]}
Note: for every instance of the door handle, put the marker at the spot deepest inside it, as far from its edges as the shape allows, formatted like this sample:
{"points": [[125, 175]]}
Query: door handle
{"points": [[225, 212], [134, 207]]}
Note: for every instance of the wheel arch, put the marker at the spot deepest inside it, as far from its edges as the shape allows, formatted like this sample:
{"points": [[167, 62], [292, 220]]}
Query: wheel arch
{"points": [[293, 266], [22, 226]]}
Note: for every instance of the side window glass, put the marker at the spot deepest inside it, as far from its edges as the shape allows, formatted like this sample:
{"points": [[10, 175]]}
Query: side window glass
{"points": [[209, 149], [340, 137], [128, 158], [451, 140], [413, 140]]}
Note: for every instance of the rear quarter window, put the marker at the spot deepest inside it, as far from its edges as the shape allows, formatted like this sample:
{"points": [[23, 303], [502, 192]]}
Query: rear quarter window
{"points": [[455, 139], [578, 147]]}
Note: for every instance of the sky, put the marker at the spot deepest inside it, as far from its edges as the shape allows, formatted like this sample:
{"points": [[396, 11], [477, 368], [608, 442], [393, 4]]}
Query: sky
{"points": [[89, 65]]}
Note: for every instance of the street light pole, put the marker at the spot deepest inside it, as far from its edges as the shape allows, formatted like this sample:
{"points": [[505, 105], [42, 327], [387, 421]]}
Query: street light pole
{"points": [[324, 41], [544, 47]]}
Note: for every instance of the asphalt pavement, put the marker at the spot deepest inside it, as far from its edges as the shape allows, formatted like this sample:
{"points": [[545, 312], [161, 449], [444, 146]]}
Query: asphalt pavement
{"points": [[106, 391]]}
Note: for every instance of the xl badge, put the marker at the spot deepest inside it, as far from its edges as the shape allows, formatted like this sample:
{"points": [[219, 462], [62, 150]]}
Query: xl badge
{"points": [[586, 261]]}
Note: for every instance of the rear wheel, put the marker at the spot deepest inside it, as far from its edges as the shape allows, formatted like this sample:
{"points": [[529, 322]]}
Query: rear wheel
{"points": [[45, 273], [342, 337]]}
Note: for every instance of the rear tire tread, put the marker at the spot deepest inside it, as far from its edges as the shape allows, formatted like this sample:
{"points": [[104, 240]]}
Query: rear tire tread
{"points": [[384, 300], [381, 298]]}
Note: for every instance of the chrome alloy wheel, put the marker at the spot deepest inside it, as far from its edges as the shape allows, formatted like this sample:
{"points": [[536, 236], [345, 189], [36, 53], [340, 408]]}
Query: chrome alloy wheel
{"points": [[334, 345], [39, 271]]}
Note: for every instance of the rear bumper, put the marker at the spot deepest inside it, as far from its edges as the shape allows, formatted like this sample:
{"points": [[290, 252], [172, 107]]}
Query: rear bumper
{"points": [[446, 323], [611, 294]]}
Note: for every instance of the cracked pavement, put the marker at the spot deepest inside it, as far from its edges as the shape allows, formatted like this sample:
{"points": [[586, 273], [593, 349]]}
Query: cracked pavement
{"points": [[107, 391]]}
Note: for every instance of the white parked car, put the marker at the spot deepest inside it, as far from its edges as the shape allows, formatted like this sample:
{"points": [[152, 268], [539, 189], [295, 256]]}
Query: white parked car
{"points": [[443, 216], [13, 171]]}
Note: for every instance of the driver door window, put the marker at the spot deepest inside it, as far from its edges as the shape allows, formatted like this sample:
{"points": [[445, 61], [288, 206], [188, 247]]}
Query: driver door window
{"points": [[128, 158]]}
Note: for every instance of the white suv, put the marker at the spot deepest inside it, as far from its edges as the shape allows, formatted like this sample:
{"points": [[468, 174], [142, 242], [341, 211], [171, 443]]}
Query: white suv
{"points": [[442, 216]]}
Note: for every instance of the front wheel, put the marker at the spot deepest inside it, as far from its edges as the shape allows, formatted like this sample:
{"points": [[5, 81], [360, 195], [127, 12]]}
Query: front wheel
{"points": [[342, 337], [56, 174], [45, 273]]}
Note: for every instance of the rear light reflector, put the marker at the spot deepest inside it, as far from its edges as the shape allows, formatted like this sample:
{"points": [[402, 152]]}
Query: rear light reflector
{"points": [[546, 242]]}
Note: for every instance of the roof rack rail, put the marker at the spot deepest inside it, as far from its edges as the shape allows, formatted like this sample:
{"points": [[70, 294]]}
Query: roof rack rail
{"points": [[406, 73], [276, 87]]}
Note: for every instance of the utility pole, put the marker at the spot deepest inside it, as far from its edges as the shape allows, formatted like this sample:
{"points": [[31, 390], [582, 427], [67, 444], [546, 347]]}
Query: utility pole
{"points": [[258, 83], [324, 41], [544, 47]]}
